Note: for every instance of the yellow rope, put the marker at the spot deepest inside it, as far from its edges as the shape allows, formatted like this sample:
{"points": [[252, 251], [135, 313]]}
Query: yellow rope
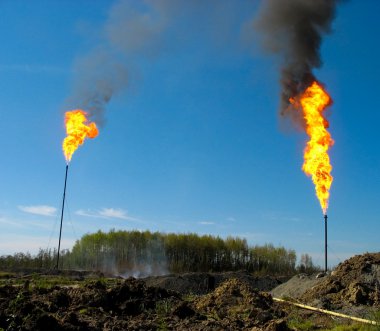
{"points": [[362, 320]]}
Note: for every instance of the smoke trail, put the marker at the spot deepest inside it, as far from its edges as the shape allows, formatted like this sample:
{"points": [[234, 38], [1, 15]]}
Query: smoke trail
{"points": [[104, 71], [293, 30], [136, 31]]}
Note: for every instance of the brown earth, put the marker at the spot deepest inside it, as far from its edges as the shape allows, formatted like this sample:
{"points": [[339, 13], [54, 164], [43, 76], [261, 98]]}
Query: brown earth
{"points": [[192, 301], [352, 288], [355, 282], [132, 305]]}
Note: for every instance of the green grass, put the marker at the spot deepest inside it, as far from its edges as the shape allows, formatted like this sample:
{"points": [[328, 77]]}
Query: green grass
{"points": [[190, 297], [354, 327], [296, 322], [300, 324], [6, 274], [163, 308]]}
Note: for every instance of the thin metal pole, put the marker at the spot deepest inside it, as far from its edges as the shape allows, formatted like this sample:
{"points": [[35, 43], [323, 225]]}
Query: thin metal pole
{"points": [[63, 207], [325, 243]]}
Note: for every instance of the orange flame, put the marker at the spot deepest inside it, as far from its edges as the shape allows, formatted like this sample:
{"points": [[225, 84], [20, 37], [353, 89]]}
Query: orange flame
{"points": [[78, 129], [316, 160]]}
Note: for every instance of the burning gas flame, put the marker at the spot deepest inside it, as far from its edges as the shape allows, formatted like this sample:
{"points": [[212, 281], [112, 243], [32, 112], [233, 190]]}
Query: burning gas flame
{"points": [[314, 101], [78, 129]]}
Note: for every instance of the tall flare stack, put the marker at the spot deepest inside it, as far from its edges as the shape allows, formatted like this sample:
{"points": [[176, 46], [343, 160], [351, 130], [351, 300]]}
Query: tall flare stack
{"points": [[78, 128], [62, 210], [293, 30], [325, 217]]}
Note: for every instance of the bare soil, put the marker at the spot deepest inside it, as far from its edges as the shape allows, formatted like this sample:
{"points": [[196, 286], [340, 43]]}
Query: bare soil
{"points": [[352, 288], [132, 305], [78, 300]]}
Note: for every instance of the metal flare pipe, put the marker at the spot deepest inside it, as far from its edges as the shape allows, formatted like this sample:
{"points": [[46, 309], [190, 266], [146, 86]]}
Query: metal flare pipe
{"points": [[63, 208]]}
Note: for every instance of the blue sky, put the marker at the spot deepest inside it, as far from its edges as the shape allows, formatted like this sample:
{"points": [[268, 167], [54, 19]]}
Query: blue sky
{"points": [[194, 142]]}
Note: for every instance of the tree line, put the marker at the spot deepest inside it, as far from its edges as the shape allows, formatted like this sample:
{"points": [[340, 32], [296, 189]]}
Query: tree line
{"points": [[137, 253]]}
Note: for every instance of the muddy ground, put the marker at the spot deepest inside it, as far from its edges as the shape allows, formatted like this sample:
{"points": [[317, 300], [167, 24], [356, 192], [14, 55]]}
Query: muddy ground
{"points": [[75, 300]]}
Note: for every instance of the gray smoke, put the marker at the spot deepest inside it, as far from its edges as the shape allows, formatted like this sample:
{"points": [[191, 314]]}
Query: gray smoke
{"points": [[104, 71], [293, 30], [98, 78], [136, 31]]}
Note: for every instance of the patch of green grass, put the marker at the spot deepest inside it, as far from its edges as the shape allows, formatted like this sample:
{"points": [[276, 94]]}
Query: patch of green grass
{"points": [[375, 316], [6, 274], [40, 282], [352, 327], [190, 297], [17, 300], [163, 308], [83, 311], [162, 326], [43, 281], [301, 324], [298, 323]]}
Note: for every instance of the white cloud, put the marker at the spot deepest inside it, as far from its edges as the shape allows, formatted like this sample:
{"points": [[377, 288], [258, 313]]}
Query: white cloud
{"points": [[206, 223], [114, 213], [42, 210], [86, 213], [106, 213]]}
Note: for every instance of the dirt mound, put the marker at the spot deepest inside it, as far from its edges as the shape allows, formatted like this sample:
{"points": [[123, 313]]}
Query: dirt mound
{"points": [[236, 304], [93, 306], [202, 283], [355, 281], [132, 305], [295, 287]]}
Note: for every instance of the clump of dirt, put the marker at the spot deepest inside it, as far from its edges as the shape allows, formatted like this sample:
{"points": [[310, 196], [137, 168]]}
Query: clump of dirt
{"points": [[354, 282], [236, 304]]}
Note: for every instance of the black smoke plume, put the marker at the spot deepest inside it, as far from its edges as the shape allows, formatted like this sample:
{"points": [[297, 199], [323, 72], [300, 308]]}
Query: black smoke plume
{"points": [[293, 30]]}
